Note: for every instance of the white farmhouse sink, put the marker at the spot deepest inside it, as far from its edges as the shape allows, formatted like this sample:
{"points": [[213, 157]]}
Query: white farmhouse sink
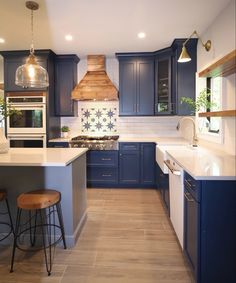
{"points": [[161, 154]]}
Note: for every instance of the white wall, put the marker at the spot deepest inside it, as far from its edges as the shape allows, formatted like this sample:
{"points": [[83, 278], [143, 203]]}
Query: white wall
{"points": [[222, 34]]}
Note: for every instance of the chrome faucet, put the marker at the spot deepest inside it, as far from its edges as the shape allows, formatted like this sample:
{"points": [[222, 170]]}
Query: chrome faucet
{"points": [[194, 138]]}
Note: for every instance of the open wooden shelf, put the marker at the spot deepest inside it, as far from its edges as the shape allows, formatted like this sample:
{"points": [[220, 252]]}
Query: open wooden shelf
{"points": [[223, 67], [223, 113]]}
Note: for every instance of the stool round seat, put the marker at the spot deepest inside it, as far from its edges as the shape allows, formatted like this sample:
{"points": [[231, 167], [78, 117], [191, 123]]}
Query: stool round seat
{"points": [[3, 195], [38, 199]]}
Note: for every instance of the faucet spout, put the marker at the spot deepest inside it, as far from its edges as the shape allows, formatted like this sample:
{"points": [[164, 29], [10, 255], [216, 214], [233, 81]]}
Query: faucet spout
{"points": [[194, 138]]}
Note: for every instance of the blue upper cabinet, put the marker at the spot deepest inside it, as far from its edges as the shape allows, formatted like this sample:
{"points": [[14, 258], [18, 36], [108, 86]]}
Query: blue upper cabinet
{"points": [[65, 81], [136, 85], [152, 83], [163, 90], [14, 59], [183, 80]]}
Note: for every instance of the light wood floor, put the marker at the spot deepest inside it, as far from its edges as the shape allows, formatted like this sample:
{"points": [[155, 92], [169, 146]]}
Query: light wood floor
{"points": [[127, 239]]}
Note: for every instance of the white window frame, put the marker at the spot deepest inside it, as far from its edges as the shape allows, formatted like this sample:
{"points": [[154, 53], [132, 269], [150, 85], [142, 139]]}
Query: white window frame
{"points": [[203, 132]]}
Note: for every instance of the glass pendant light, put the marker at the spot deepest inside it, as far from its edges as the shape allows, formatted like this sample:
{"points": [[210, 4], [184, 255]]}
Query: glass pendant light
{"points": [[31, 74]]}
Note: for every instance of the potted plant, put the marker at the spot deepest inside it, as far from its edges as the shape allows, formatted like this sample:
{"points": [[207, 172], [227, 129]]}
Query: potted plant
{"points": [[5, 111], [202, 102], [65, 131]]}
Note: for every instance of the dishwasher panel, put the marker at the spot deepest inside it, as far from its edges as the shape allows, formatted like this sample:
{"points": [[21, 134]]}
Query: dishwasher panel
{"points": [[176, 198]]}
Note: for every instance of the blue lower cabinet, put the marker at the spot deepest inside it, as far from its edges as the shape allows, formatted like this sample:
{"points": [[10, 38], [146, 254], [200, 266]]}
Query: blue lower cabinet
{"points": [[210, 229], [102, 168], [148, 160], [137, 164], [129, 163]]}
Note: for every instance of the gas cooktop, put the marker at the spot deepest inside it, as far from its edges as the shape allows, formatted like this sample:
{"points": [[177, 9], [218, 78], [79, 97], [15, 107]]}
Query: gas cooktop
{"points": [[96, 142]]}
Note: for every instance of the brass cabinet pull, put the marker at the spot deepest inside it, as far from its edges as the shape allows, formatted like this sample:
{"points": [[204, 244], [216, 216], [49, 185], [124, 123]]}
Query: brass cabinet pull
{"points": [[106, 159]]}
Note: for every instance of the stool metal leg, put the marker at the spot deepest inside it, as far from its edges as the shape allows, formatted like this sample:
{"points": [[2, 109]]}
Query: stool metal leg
{"points": [[15, 237], [48, 264], [33, 238], [61, 223], [9, 213]]}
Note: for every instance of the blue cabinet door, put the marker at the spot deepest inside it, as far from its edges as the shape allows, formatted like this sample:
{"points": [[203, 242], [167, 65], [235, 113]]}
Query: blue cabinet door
{"points": [[129, 162], [136, 86], [163, 92], [145, 87], [127, 87], [65, 81], [183, 82], [148, 175]]}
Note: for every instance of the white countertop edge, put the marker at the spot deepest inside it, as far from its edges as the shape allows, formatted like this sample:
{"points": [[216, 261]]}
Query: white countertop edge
{"points": [[200, 177], [46, 163]]}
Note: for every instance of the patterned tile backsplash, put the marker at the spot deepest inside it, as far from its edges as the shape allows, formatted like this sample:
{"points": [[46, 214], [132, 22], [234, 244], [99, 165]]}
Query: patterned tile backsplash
{"points": [[99, 120]]}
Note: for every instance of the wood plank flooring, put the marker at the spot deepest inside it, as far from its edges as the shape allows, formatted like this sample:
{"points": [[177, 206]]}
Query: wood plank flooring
{"points": [[127, 239]]}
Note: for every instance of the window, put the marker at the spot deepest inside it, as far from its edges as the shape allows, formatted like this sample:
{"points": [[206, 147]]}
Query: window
{"points": [[215, 87]]}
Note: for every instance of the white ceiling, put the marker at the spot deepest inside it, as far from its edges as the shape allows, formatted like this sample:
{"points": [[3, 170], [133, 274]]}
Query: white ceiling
{"points": [[104, 26]]}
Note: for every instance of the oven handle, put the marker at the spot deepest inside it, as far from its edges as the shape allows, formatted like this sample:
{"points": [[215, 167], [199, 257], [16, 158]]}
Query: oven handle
{"points": [[172, 169], [27, 106], [25, 137]]}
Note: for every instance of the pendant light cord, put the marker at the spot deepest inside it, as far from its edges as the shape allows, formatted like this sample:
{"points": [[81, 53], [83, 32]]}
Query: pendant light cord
{"points": [[32, 33]]}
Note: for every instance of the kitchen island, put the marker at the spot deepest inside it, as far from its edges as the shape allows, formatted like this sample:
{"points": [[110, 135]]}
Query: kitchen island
{"points": [[64, 170]]}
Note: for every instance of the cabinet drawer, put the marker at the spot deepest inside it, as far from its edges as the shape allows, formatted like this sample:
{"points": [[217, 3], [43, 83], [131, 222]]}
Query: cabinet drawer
{"points": [[193, 186], [102, 158], [103, 175], [128, 146]]}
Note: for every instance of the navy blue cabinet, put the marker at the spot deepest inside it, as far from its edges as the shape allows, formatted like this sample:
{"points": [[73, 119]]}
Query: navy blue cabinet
{"points": [[163, 92], [210, 229], [163, 186], [136, 85], [152, 83], [14, 59], [147, 157], [65, 81], [102, 168], [183, 75], [137, 164], [129, 163], [46, 58]]}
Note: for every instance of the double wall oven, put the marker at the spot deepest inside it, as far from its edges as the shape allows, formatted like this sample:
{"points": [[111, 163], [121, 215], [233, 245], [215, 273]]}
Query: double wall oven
{"points": [[28, 129]]}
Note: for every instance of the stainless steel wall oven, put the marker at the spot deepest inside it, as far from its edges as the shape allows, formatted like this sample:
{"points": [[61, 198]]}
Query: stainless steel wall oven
{"points": [[29, 128]]}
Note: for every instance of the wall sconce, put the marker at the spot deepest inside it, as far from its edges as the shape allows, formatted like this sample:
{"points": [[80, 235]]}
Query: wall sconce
{"points": [[184, 56], [31, 74]]}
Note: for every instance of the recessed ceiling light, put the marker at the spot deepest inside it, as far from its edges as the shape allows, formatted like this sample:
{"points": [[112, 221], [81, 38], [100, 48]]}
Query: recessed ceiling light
{"points": [[68, 37], [141, 35], [2, 40]]}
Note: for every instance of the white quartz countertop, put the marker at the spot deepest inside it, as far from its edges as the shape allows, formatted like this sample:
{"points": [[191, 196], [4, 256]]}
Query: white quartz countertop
{"points": [[155, 139], [205, 164], [40, 156]]}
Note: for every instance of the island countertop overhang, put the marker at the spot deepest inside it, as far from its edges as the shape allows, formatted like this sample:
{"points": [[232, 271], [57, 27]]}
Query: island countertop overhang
{"points": [[40, 156]]}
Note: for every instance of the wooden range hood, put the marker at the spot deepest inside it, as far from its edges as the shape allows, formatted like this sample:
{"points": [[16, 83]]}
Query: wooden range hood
{"points": [[96, 84]]}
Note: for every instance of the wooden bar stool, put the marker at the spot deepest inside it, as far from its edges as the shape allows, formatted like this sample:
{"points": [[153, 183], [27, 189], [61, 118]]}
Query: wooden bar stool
{"points": [[3, 198], [43, 225]]}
